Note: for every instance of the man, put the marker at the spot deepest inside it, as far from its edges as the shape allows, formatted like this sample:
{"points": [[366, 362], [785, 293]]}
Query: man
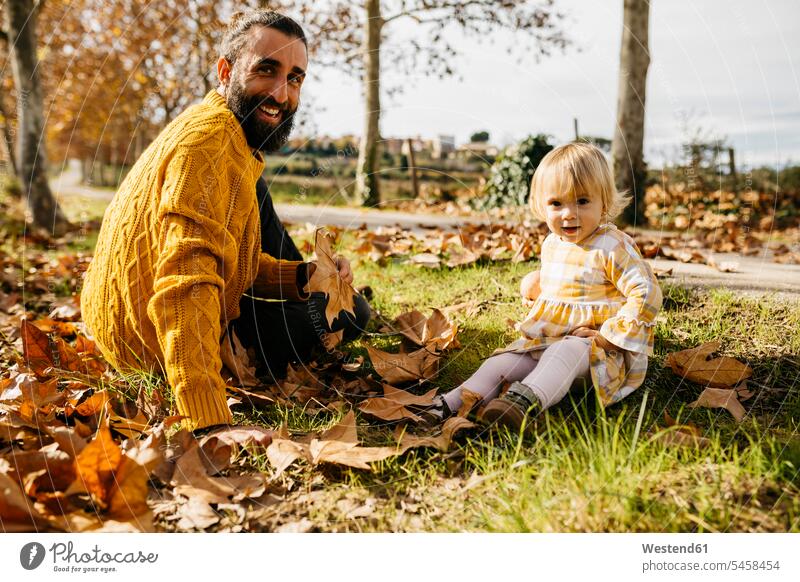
{"points": [[184, 239]]}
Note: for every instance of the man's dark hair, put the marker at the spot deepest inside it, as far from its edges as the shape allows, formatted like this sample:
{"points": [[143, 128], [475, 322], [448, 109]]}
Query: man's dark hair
{"points": [[241, 22]]}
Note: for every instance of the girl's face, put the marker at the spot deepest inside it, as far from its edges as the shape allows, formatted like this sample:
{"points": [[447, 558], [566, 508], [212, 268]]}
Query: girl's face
{"points": [[573, 217]]}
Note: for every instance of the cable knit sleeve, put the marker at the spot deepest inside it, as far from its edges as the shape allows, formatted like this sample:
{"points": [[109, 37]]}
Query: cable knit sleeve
{"points": [[632, 327], [281, 279], [188, 284]]}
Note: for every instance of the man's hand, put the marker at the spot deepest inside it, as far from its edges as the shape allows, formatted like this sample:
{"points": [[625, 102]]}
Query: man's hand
{"points": [[588, 332], [345, 272], [342, 266]]}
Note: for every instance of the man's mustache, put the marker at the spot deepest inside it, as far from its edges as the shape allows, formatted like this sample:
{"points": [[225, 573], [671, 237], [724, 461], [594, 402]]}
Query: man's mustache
{"points": [[270, 101]]}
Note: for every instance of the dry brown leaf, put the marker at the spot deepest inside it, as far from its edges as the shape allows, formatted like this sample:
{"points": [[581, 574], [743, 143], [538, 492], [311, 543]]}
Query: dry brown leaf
{"points": [[349, 454], [743, 392], [234, 357], [459, 256], [68, 439], [240, 437], [681, 437], [282, 452], [723, 266], [468, 401], [428, 260], [191, 477], [95, 466], [42, 351], [196, 513], [94, 404], [300, 384], [254, 399], [721, 398], [403, 368], [338, 445], [131, 428], [393, 404], [470, 308], [345, 430], [441, 441], [326, 278], [353, 366], [694, 364], [17, 513], [437, 332], [129, 495]]}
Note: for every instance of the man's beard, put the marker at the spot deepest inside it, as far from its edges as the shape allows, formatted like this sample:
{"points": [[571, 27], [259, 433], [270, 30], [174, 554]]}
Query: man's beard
{"points": [[260, 135]]}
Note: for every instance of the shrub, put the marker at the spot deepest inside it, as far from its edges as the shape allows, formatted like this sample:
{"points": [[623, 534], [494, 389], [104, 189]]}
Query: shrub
{"points": [[510, 176]]}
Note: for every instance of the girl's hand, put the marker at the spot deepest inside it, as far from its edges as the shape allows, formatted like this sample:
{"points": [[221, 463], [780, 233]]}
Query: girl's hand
{"points": [[588, 332], [529, 287]]}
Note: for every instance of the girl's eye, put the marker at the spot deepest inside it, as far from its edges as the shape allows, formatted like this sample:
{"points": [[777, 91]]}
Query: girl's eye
{"points": [[583, 201], [555, 203]]}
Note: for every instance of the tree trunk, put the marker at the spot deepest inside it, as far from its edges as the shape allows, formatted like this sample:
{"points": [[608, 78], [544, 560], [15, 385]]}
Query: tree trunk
{"points": [[367, 180], [8, 140], [627, 149], [31, 159], [412, 169]]}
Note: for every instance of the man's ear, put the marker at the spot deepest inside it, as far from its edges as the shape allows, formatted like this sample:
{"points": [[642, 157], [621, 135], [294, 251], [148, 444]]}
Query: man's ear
{"points": [[224, 71]]}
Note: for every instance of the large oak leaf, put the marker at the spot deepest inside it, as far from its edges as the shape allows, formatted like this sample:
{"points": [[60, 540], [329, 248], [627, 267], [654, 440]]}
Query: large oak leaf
{"points": [[326, 278], [404, 368], [696, 365]]}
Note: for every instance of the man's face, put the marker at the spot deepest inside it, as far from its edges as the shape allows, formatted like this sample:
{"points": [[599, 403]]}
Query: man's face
{"points": [[263, 90]]}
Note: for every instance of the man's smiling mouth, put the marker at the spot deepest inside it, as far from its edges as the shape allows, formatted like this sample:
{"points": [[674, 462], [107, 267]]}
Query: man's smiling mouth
{"points": [[271, 113]]}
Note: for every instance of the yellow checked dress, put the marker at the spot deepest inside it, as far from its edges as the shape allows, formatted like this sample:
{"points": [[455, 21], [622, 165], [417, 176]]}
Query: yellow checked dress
{"points": [[602, 283]]}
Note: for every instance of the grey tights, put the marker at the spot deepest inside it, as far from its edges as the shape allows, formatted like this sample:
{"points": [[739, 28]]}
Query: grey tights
{"points": [[549, 372]]}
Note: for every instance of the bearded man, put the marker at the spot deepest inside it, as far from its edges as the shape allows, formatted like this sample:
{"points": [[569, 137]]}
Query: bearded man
{"points": [[189, 243]]}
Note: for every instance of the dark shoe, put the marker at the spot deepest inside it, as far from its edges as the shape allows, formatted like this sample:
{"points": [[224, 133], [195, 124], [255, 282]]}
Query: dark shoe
{"points": [[511, 409], [434, 414]]}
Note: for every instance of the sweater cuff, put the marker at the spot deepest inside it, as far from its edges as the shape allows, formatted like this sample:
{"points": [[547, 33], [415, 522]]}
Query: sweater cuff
{"points": [[203, 408], [281, 280]]}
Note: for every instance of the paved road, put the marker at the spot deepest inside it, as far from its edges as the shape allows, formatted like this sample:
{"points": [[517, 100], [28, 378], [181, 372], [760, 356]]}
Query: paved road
{"points": [[755, 275]]}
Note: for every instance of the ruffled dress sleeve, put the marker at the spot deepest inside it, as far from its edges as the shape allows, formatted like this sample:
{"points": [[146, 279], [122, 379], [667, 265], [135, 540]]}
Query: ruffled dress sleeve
{"points": [[631, 328]]}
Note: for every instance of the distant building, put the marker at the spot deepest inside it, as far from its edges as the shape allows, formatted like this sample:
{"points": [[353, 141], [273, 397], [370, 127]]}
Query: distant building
{"points": [[393, 146], [442, 146], [420, 146], [479, 149]]}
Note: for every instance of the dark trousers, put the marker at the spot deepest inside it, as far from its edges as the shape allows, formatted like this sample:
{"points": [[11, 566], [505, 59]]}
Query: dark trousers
{"points": [[288, 331]]}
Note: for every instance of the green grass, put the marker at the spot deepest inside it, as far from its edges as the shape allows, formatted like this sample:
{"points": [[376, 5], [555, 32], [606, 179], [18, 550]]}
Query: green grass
{"points": [[584, 470]]}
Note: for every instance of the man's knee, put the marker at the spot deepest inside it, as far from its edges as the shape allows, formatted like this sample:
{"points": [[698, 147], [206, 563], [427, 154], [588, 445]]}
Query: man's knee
{"points": [[358, 324]]}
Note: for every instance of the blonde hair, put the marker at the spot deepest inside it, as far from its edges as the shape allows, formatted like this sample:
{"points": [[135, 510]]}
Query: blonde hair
{"points": [[576, 168]]}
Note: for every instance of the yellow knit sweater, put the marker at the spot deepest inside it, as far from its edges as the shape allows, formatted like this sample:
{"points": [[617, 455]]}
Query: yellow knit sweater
{"points": [[179, 244]]}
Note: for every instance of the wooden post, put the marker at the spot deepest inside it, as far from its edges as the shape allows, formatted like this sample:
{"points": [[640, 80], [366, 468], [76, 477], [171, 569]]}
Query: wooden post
{"points": [[732, 167], [412, 168]]}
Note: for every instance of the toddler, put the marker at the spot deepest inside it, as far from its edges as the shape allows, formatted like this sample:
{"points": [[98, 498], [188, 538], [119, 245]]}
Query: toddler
{"points": [[594, 302]]}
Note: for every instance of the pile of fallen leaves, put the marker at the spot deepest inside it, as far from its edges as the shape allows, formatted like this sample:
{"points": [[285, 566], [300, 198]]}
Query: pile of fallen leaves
{"points": [[82, 449], [701, 246], [436, 247], [678, 208], [519, 241]]}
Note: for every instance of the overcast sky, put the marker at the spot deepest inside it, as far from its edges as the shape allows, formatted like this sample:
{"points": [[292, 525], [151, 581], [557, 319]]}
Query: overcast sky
{"points": [[730, 67]]}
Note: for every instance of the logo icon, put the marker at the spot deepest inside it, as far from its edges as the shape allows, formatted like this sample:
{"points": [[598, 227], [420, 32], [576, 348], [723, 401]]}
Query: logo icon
{"points": [[31, 555]]}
